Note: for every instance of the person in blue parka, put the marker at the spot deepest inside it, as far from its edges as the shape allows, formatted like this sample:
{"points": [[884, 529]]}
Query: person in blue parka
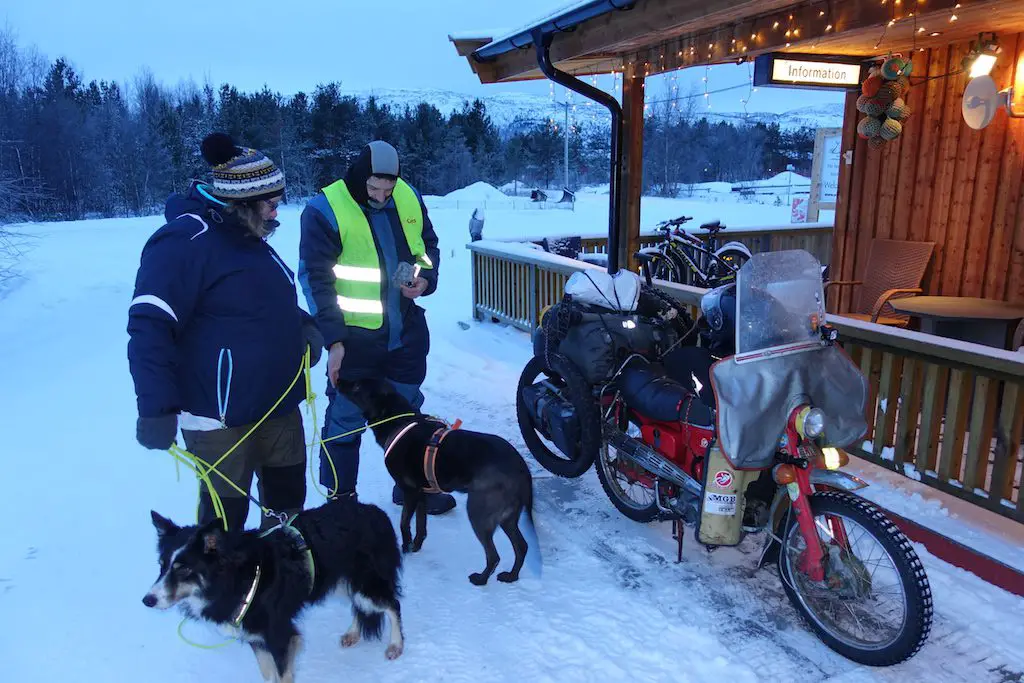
{"points": [[217, 335]]}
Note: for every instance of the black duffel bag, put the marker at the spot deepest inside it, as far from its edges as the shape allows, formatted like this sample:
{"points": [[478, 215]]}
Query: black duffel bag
{"points": [[597, 342]]}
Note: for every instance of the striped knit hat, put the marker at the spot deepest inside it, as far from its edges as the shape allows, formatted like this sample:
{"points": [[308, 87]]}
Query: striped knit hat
{"points": [[241, 174]]}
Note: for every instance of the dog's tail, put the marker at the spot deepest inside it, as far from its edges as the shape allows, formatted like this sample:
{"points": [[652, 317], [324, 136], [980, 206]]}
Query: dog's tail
{"points": [[529, 531]]}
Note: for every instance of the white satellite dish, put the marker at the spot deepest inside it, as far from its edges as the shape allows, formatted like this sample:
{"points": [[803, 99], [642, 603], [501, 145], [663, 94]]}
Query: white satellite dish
{"points": [[982, 100]]}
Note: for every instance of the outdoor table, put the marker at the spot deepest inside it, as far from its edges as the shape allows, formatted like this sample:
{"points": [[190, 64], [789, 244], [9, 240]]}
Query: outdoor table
{"points": [[971, 319]]}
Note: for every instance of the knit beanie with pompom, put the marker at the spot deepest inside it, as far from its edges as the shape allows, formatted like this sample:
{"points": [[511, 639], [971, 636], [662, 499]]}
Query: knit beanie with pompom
{"points": [[241, 174]]}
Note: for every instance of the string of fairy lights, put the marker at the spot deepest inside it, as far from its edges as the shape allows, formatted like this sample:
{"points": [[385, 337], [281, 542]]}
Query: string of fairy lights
{"points": [[809, 22]]}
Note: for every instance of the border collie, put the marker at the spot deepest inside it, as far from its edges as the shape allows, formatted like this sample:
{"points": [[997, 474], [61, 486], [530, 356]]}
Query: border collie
{"points": [[255, 586], [486, 467]]}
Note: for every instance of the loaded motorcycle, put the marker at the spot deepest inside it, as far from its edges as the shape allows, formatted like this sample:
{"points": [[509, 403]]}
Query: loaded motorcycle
{"points": [[734, 425]]}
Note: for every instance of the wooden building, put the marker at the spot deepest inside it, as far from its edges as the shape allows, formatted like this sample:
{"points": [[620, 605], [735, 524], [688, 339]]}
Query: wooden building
{"points": [[951, 415]]}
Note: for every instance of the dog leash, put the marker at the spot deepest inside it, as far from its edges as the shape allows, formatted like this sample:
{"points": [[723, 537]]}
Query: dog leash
{"points": [[181, 454], [202, 469], [200, 645]]}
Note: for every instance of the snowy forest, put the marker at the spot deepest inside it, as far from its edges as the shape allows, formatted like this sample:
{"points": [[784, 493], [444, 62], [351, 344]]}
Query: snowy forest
{"points": [[72, 148]]}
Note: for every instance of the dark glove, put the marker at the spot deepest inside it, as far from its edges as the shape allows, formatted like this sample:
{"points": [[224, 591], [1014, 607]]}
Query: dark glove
{"points": [[157, 433], [311, 333]]}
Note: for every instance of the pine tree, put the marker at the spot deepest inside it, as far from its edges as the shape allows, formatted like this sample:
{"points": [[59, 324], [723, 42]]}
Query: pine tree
{"points": [[71, 148]]}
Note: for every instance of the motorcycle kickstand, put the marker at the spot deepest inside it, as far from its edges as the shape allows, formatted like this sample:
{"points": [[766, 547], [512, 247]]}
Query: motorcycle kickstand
{"points": [[677, 533], [677, 523]]}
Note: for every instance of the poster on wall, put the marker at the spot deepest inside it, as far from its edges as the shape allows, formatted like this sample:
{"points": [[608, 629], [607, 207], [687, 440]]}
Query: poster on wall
{"points": [[798, 211], [828, 151]]}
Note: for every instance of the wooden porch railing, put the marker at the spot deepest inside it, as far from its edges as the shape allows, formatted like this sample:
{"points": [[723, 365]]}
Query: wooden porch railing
{"points": [[950, 416], [815, 238]]}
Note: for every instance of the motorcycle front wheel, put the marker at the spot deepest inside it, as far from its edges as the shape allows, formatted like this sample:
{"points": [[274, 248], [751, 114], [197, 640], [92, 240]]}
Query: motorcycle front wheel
{"points": [[875, 605]]}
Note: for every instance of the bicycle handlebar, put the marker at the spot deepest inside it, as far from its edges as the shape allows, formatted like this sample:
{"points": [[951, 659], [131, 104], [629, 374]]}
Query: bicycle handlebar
{"points": [[674, 222]]}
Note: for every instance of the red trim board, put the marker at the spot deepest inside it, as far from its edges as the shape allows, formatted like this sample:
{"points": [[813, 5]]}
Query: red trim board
{"points": [[959, 555]]}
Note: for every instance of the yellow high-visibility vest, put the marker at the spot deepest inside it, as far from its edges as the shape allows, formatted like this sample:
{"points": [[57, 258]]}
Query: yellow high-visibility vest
{"points": [[359, 280]]}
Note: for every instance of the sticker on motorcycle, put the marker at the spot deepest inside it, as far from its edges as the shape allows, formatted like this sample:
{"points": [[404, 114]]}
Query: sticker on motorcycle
{"points": [[719, 504], [723, 479]]}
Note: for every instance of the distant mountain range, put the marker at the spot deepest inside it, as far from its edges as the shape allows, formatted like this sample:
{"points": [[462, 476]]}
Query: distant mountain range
{"points": [[508, 109]]}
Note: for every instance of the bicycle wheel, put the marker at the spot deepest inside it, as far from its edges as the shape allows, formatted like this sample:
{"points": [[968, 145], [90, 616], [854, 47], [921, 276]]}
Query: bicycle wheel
{"points": [[664, 268]]}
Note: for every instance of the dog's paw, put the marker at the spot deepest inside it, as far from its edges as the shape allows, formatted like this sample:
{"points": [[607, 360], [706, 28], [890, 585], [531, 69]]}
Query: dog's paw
{"points": [[393, 652], [415, 546], [507, 577], [405, 548], [477, 579], [349, 639]]}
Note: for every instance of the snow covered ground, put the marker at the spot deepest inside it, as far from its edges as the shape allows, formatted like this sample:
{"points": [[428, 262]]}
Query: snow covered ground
{"points": [[78, 549], [520, 218]]}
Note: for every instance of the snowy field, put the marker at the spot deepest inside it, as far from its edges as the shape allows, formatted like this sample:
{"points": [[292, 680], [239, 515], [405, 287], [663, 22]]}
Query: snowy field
{"points": [[78, 550], [589, 216]]}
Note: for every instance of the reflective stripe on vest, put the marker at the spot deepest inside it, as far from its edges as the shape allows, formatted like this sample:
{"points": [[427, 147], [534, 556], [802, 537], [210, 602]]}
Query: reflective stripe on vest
{"points": [[359, 281]]}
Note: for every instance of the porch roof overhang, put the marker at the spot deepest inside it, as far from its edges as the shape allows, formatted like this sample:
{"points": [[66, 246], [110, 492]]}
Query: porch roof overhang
{"points": [[599, 36]]}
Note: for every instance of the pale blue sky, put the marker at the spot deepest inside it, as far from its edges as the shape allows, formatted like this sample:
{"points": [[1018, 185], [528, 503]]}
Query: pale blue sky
{"points": [[293, 45]]}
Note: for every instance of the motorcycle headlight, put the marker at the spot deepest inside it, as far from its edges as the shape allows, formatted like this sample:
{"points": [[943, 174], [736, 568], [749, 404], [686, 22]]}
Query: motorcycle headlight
{"points": [[813, 423]]}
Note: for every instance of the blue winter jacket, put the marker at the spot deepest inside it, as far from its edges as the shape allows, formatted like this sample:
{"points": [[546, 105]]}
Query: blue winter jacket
{"points": [[215, 327]]}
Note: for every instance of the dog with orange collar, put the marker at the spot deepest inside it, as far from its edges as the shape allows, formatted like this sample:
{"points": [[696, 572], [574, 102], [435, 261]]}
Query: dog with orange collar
{"points": [[424, 455]]}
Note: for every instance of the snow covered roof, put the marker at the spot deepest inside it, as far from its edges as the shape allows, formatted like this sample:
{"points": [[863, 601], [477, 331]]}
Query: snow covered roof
{"points": [[562, 18], [476, 34]]}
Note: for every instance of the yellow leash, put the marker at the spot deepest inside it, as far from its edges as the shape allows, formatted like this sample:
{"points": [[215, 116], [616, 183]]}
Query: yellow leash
{"points": [[200, 645], [202, 469]]}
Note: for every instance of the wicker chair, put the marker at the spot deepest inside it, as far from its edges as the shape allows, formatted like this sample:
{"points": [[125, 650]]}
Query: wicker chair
{"points": [[894, 270]]}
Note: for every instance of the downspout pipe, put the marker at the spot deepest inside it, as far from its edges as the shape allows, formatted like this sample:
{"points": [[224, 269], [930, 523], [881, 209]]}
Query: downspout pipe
{"points": [[542, 43]]}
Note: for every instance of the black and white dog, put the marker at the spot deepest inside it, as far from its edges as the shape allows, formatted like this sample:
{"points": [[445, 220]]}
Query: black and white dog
{"points": [[255, 586], [422, 455]]}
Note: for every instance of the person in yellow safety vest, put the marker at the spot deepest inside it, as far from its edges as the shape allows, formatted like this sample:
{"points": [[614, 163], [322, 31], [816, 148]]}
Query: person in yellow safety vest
{"points": [[356, 235]]}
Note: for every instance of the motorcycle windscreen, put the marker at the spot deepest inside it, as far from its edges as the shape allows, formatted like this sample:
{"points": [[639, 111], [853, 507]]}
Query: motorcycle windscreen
{"points": [[779, 305], [755, 401]]}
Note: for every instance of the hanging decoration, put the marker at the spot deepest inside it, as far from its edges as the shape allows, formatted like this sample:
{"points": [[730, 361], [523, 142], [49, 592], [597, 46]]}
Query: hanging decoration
{"points": [[801, 23], [883, 101]]}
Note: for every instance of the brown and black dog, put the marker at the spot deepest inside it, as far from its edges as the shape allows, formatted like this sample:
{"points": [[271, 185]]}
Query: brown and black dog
{"points": [[423, 455]]}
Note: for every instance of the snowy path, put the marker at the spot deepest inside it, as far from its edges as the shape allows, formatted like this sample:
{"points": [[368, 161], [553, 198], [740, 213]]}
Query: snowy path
{"points": [[78, 551]]}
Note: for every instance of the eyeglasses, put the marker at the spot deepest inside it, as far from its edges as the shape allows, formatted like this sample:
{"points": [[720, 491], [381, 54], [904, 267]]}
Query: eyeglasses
{"points": [[272, 204]]}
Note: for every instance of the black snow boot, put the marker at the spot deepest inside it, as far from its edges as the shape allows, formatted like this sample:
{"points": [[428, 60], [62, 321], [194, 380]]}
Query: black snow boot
{"points": [[437, 503]]}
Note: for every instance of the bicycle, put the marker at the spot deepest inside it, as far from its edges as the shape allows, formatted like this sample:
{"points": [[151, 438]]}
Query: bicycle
{"points": [[687, 259]]}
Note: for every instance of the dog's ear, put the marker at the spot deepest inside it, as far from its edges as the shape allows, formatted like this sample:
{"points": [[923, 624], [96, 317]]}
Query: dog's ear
{"points": [[163, 525], [212, 536]]}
